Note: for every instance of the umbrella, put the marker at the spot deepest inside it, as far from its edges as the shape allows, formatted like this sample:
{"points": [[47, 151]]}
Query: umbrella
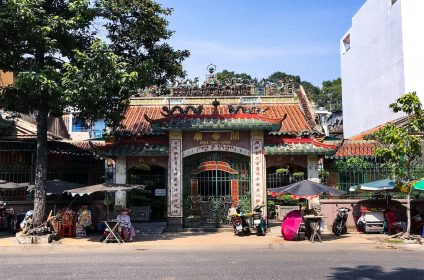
{"points": [[290, 224], [57, 186], [11, 185], [419, 185], [305, 189], [105, 187], [380, 185]]}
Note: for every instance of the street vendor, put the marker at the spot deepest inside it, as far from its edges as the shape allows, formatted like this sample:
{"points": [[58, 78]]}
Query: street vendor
{"points": [[125, 224]]}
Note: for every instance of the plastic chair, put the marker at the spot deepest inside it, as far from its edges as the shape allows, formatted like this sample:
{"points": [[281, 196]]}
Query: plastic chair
{"points": [[66, 231]]}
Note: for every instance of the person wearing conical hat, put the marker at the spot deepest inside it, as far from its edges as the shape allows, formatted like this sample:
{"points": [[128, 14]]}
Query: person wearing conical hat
{"points": [[125, 224]]}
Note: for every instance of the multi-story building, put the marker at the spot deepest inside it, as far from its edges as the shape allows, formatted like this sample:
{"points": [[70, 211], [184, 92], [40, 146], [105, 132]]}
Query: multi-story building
{"points": [[382, 58]]}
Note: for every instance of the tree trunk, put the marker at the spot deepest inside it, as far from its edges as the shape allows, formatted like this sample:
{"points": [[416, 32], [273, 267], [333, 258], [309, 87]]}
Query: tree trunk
{"points": [[408, 211], [40, 169]]}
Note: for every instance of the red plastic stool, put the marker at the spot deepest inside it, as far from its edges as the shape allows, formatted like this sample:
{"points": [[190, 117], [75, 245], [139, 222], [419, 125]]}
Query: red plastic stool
{"points": [[66, 231]]}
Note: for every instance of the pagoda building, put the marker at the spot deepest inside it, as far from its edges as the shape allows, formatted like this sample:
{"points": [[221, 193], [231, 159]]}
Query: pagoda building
{"points": [[201, 149]]}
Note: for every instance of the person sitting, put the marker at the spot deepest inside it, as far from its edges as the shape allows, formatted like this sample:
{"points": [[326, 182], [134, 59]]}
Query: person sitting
{"points": [[128, 230]]}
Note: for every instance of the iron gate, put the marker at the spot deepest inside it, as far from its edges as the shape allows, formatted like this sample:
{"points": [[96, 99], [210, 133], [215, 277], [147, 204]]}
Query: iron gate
{"points": [[213, 182]]}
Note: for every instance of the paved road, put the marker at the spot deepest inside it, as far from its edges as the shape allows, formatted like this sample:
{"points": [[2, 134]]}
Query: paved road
{"points": [[266, 262]]}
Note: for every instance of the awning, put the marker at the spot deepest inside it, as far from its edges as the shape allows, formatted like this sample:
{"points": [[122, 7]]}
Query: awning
{"points": [[380, 185], [5, 185], [57, 186], [103, 188]]}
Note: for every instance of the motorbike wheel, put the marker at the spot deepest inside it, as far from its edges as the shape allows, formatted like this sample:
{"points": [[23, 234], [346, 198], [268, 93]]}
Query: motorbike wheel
{"points": [[337, 230], [259, 231]]}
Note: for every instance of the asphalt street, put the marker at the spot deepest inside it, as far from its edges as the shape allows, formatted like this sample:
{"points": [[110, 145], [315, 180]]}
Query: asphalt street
{"points": [[268, 262]]}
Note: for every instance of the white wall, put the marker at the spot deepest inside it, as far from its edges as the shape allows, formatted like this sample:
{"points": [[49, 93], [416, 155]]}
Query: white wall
{"points": [[373, 68], [413, 45]]}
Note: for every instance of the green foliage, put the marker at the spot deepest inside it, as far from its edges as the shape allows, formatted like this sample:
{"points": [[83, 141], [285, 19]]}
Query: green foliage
{"points": [[52, 47], [60, 61], [283, 171], [287, 200], [226, 76], [352, 164], [399, 147], [138, 30], [97, 84], [282, 77], [298, 176], [331, 95]]}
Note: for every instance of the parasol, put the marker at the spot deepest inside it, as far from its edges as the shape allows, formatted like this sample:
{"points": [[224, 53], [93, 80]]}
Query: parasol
{"points": [[380, 185], [11, 185], [418, 185], [305, 189], [57, 186], [290, 224], [105, 187]]}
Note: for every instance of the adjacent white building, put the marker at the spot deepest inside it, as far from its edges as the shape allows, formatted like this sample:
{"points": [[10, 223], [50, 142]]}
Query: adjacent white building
{"points": [[382, 57]]}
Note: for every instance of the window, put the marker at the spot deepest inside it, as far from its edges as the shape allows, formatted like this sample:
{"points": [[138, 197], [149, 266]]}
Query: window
{"points": [[78, 125], [346, 43]]}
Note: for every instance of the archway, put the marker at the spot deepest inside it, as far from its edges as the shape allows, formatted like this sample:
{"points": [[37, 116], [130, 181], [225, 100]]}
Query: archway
{"points": [[212, 183]]}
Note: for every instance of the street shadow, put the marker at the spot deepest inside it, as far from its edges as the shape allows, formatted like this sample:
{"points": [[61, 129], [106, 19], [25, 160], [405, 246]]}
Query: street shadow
{"points": [[154, 236], [376, 273]]}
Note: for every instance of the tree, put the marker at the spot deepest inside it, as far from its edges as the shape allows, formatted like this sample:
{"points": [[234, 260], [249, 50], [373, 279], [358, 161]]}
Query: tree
{"points": [[331, 97], [54, 48], [281, 76], [400, 146], [226, 75]]}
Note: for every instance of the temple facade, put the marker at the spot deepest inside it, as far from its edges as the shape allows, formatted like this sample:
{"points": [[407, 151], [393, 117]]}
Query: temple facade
{"points": [[202, 149]]}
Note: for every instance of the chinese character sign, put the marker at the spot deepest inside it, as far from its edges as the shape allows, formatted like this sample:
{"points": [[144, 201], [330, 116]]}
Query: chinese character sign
{"points": [[175, 183], [257, 171]]}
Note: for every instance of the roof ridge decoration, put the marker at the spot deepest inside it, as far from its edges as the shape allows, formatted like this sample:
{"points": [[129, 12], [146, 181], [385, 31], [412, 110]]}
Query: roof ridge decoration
{"points": [[212, 86], [306, 107], [249, 118], [166, 112]]}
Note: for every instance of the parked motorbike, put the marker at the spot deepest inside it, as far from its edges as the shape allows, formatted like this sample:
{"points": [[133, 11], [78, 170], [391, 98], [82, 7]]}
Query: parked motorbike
{"points": [[339, 224], [7, 218], [259, 220], [240, 221]]}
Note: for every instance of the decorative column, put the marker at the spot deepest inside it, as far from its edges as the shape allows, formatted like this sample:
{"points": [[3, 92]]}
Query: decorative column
{"points": [[313, 168], [121, 178], [175, 203], [257, 169]]}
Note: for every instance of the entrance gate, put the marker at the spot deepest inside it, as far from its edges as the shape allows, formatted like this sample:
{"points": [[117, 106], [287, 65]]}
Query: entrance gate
{"points": [[214, 182]]}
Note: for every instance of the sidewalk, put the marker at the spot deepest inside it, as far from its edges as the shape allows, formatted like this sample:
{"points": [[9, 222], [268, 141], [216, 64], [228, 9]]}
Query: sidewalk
{"points": [[200, 240]]}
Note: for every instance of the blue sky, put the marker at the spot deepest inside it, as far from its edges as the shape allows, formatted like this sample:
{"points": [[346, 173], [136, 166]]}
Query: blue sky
{"points": [[260, 37]]}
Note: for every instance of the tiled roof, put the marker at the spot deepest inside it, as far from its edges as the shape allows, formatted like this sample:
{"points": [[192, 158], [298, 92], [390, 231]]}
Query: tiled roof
{"points": [[54, 147], [213, 122], [352, 148], [134, 149], [295, 122], [399, 122], [298, 146]]}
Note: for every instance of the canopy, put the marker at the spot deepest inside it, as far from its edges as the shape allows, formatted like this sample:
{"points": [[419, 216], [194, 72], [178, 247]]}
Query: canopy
{"points": [[380, 185], [57, 186], [11, 185], [305, 189], [105, 187], [419, 185]]}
